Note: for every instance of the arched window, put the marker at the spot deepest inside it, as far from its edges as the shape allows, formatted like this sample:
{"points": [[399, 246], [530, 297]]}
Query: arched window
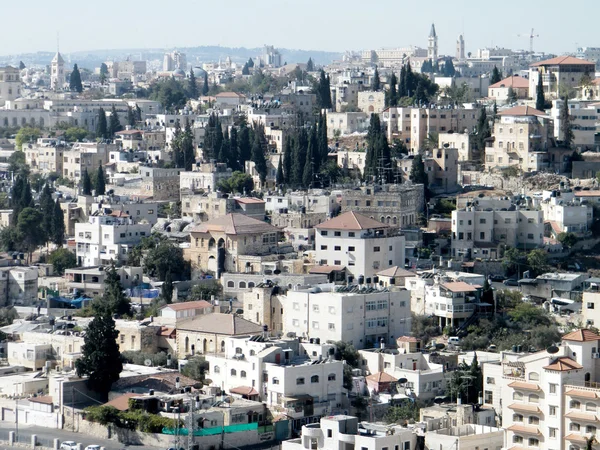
{"points": [[230, 284], [314, 379], [590, 406], [299, 381], [238, 351], [382, 219], [250, 284], [575, 404], [331, 377], [187, 344], [517, 396], [222, 346], [252, 353], [243, 374], [534, 376], [217, 369], [242, 285], [395, 220], [275, 380], [534, 398], [233, 373], [517, 439], [517, 418]]}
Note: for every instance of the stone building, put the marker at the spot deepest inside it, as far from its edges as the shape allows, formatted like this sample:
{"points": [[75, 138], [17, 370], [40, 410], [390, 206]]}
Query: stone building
{"points": [[160, 184], [205, 207], [10, 84]]}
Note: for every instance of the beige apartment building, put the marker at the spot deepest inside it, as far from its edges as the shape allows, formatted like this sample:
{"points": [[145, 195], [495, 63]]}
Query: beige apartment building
{"points": [[85, 155], [371, 101], [559, 73], [46, 155]]}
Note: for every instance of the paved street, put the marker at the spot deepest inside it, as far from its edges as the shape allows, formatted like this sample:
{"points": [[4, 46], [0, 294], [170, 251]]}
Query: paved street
{"points": [[47, 435]]}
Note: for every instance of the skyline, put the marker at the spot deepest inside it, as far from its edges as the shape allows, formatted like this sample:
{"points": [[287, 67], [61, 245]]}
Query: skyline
{"points": [[351, 25]]}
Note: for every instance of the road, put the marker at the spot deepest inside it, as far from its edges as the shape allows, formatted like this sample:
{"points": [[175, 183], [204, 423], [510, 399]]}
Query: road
{"points": [[501, 286], [46, 437]]}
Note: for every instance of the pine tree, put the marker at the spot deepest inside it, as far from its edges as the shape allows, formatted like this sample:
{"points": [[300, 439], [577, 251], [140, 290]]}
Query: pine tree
{"points": [[376, 81], [100, 359], [86, 183], [130, 117], [566, 124], [100, 182], [393, 92], [245, 69], [47, 209], [245, 145], [75, 80], [310, 65], [138, 113], [540, 100], [250, 63], [205, 86], [402, 84], [287, 159], [192, 89], [103, 72], [188, 150], [258, 153], [496, 76], [279, 178], [234, 159], [114, 125], [102, 126], [58, 225], [166, 290]]}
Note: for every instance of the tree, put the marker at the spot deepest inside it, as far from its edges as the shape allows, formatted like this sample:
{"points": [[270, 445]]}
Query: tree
{"points": [[170, 93], [346, 352], [449, 70], [511, 96], [21, 65], [244, 143], [102, 125], [487, 296], [195, 368], [540, 100], [75, 134], [238, 182], [537, 260], [566, 123], [567, 239], [258, 152], [103, 73], [86, 183], [114, 299], [130, 116], [250, 63], [287, 159], [192, 89], [529, 315], [138, 113], [311, 162], [205, 290], [100, 182], [30, 231], [100, 358], [47, 210], [62, 259], [375, 81], [114, 124], [496, 76], [58, 225], [165, 257], [323, 91], [279, 179], [75, 80], [205, 86], [392, 97], [166, 290], [245, 69], [310, 65], [417, 171], [483, 130], [27, 135]]}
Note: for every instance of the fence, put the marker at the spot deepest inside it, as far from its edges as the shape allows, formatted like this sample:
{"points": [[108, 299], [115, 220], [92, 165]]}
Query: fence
{"points": [[214, 431]]}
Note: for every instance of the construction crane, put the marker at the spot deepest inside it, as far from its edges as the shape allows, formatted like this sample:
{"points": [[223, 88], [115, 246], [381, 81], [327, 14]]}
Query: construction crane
{"points": [[531, 37]]}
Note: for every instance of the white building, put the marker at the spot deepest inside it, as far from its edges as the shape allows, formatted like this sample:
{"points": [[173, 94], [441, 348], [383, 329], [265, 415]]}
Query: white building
{"points": [[106, 238], [547, 399], [565, 214], [10, 84], [361, 316], [452, 302], [361, 244], [57, 76]]}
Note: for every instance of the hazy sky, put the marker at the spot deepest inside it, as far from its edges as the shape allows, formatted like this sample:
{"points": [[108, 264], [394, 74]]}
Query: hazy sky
{"points": [[334, 25]]}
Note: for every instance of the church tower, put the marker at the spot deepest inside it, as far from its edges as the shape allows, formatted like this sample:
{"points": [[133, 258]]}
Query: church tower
{"points": [[460, 48], [57, 77], [432, 49]]}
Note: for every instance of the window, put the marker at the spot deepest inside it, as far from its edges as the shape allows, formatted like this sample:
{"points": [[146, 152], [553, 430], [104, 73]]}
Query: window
{"points": [[590, 305], [517, 417], [590, 429], [299, 381], [490, 380], [552, 410], [488, 397], [534, 376], [329, 433], [552, 433], [316, 308], [574, 427], [552, 387], [331, 377], [337, 233], [323, 233], [482, 221], [575, 404], [216, 369], [376, 249], [351, 249], [534, 398], [243, 374], [482, 235], [323, 247], [534, 420], [295, 322], [233, 373], [331, 326], [314, 379], [315, 325], [275, 380], [351, 233], [590, 407], [518, 439], [534, 442], [518, 396], [337, 248]]}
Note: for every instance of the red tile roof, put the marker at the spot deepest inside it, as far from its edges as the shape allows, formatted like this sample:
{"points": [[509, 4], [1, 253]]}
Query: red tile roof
{"points": [[582, 335], [250, 200], [512, 81], [381, 377], [45, 399], [326, 269], [121, 402], [244, 390], [523, 385], [352, 221], [396, 271], [563, 60], [522, 111], [459, 286], [184, 306], [564, 364], [407, 339]]}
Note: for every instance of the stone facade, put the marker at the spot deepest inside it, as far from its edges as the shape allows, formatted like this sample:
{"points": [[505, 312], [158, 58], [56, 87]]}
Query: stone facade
{"points": [[160, 184]]}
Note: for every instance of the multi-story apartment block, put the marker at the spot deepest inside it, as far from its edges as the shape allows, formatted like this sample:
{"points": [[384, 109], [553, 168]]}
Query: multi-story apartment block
{"points": [[46, 155], [559, 73], [521, 137], [371, 101], [205, 207], [299, 379], [85, 156], [452, 302], [394, 204], [441, 166], [205, 177], [563, 212], [584, 117], [362, 316], [346, 123], [481, 231], [347, 433], [90, 280], [363, 245], [415, 125], [18, 286], [160, 184], [499, 91], [547, 399], [461, 141], [107, 238]]}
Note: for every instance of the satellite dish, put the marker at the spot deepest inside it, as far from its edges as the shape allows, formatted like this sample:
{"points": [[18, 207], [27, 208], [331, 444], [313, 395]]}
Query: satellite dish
{"points": [[148, 362], [402, 380], [552, 349]]}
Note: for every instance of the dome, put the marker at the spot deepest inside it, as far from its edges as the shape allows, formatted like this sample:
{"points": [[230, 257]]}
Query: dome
{"points": [[178, 73], [199, 72]]}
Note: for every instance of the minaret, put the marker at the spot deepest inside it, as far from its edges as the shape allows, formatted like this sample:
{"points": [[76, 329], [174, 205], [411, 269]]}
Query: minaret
{"points": [[460, 48], [57, 77], [432, 49]]}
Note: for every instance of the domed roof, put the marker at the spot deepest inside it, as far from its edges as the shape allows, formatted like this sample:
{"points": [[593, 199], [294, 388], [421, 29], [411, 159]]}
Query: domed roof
{"points": [[179, 73], [198, 71]]}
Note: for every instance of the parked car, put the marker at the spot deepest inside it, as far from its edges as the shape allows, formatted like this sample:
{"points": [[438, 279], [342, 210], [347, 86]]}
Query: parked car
{"points": [[510, 282], [497, 278], [68, 445], [92, 447]]}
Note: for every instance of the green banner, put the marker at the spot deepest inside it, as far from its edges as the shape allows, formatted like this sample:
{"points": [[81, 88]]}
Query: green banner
{"points": [[213, 431]]}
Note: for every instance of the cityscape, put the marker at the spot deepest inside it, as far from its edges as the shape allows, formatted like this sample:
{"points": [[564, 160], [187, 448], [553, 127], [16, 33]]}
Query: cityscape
{"points": [[389, 248]]}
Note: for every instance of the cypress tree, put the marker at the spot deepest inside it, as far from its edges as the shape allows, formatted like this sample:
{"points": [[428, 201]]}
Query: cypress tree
{"points": [[86, 183], [250, 62], [100, 182], [376, 81], [324, 91], [300, 148], [279, 178], [310, 65], [101, 125], [205, 87], [310, 163], [496, 76], [287, 159], [166, 290], [192, 85], [417, 171], [47, 209], [244, 145], [177, 147], [58, 225], [566, 126], [393, 92], [402, 84], [138, 113], [258, 153], [103, 72], [540, 100], [188, 151], [245, 70], [130, 117], [483, 130], [322, 145], [75, 80], [114, 125], [234, 159], [410, 81]]}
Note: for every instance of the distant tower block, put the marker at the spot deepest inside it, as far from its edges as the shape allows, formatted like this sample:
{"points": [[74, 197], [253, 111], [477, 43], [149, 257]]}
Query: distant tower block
{"points": [[460, 48], [432, 48], [57, 77]]}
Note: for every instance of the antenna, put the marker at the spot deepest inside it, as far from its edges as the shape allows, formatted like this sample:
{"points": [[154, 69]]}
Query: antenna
{"points": [[57, 42]]}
